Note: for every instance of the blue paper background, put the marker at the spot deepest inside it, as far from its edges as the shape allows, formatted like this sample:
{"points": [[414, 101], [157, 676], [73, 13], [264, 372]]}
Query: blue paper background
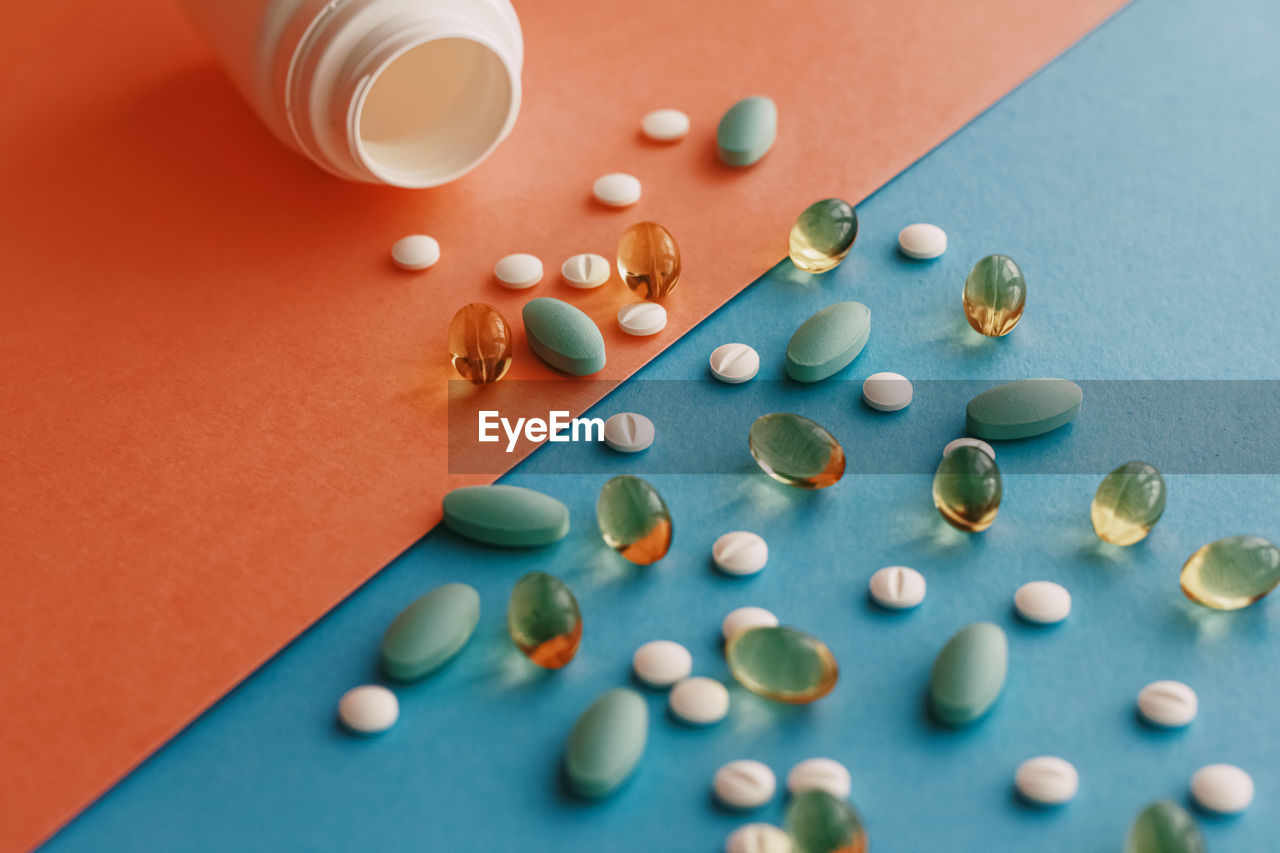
{"points": [[1136, 181]]}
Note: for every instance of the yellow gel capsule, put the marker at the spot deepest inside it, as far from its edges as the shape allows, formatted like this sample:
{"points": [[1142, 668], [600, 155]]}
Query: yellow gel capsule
{"points": [[782, 664], [634, 520], [480, 343], [823, 235], [649, 260], [1232, 573], [967, 489], [1128, 503], [995, 293]]}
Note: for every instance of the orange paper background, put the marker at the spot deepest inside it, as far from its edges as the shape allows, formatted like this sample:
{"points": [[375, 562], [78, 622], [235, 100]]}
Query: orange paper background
{"points": [[224, 409]]}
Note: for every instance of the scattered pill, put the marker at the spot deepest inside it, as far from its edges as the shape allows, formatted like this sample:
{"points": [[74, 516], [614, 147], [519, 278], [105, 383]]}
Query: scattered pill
{"points": [[967, 489], [740, 552], [512, 516], [820, 774], [823, 235], [744, 784], [665, 125], [794, 450], [887, 392], [744, 618], [544, 621], [782, 664], [1128, 503], [628, 432], [747, 131], [662, 663], [563, 336], [369, 709], [649, 260], [585, 271], [607, 742], [995, 294], [1023, 408], [922, 241], [516, 272], [480, 343], [1222, 788], [699, 701], [734, 363], [642, 318], [897, 587], [617, 189], [430, 632], [969, 442], [1168, 704], [1231, 573], [969, 674], [828, 341], [415, 252], [1047, 780], [758, 838], [634, 520], [1164, 827], [821, 823], [1042, 602]]}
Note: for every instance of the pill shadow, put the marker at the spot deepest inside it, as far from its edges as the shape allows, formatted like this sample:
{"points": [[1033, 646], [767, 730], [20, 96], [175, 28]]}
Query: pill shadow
{"points": [[954, 733], [1042, 811], [1155, 730], [880, 613]]}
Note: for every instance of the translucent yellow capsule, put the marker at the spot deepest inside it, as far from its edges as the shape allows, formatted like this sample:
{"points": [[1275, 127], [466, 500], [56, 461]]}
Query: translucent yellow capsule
{"points": [[1232, 573], [634, 520], [994, 295], [782, 664], [794, 450], [649, 260], [967, 489], [544, 620], [823, 235], [1128, 503], [480, 343]]}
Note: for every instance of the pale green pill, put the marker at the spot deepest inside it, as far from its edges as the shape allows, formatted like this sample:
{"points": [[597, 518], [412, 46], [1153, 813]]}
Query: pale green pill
{"points": [[506, 515], [428, 633], [1023, 408], [563, 336], [747, 131], [1164, 827], [968, 674], [828, 341], [606, 743]]}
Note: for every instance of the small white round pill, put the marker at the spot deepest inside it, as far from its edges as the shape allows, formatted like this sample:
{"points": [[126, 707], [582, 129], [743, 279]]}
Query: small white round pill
{"points": [[1047, 780], [1042, 602], [744, 618], [642, 318], [586, 271], [616, 189], [628, 432], [665, 125], [820, 774], [922, 241], [415, 252], [758, 838], [516, 272], [969, 442], [740, 552], [699, 701], [734, 363], [887, 392], [662, 663], [1169, 704], [1222, 788], [369, 709], [744, 784], [897, 587]]}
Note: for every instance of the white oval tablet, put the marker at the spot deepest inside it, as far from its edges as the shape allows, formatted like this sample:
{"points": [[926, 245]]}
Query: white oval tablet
{"points": [[897, 587], [740, 552], [661, 663], [820, 774], [744, 784], [616, 189], [586, 271], [369, 709], [758, 838], [665, 125], [642, 318], [969, 442], [734, 363], [744, 618], [1222, 788], [1042, 602], [699, 701], [1170, 704], [518, 271], [1047, 780], [922, 241], [415, 252], [628, 432], [887, 392]]}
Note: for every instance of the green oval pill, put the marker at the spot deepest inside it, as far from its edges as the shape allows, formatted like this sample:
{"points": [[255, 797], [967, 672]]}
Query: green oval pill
{"points": [[1164, 827], [1023, 408], [563, 336], [606, 743], [506, 515], [968, 674], [428, 633], [828, 341], [747, 130]]}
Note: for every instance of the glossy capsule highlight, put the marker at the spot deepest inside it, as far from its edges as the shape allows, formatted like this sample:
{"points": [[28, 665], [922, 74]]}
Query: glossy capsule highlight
{"points": [[649, 260], [1128, 503], [480, 343], [634, 520], [995, 293], [544, 621], [967, 489], [823, 235], [794, 450]]}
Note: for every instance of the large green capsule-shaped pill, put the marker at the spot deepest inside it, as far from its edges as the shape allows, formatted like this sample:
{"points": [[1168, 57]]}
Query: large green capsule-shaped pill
{"points": [[1023, 408], [428, 633], [994, 295], [1128, 503], [634, 520], [563, 336], [782, 664], [968, 674], [794, 450], [1232, 573], [821, 823], [544, 620], [967, 489], [506, 515], [823, 234], [828, 341], [1164, 827], [746, 131], [606, 743]]}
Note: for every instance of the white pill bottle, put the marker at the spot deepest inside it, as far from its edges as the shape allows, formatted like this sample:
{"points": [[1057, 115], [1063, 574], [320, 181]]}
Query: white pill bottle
{"points": [[412, 93]]}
